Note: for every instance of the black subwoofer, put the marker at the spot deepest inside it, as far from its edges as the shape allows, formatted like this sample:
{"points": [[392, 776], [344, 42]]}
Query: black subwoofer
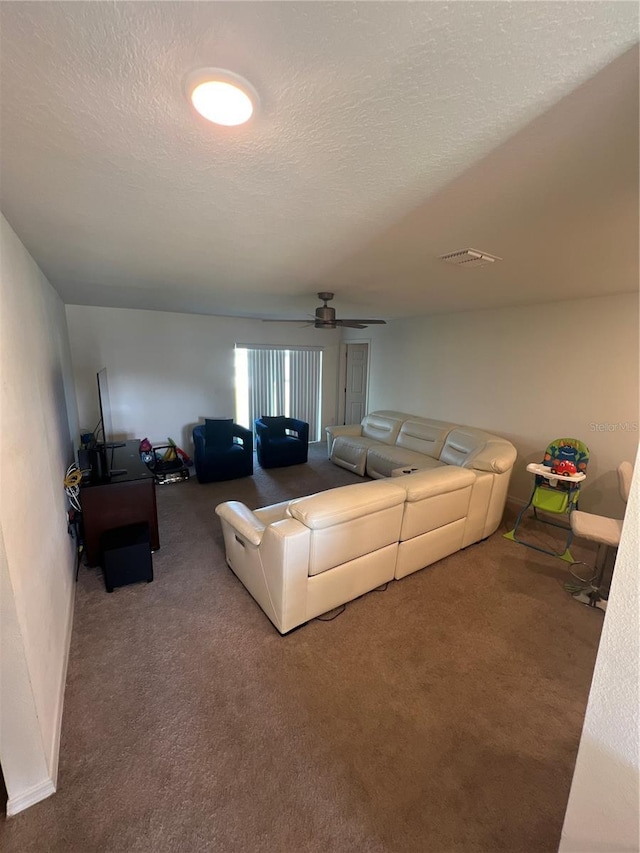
{"points": [[126, 555]]}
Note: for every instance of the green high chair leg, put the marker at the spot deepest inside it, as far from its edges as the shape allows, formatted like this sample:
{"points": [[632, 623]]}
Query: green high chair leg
{"points": [[564, 555]]}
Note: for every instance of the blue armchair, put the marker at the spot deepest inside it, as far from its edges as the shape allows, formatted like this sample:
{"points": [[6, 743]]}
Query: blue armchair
{"points": [[281, 441], [222, 450]]}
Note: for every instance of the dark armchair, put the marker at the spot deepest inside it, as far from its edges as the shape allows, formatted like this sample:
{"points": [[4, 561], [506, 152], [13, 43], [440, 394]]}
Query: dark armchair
{"points": [[281, 441], [222, 450]]}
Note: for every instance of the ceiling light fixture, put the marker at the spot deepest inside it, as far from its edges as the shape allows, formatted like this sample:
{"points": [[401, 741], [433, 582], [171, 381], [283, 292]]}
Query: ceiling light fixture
{"points": [[221, 96]]}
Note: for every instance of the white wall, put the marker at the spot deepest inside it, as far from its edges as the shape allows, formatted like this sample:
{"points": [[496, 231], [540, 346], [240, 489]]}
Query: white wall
{"points": [[603, 814], [38, 425], [531, 374], [169, 371]]}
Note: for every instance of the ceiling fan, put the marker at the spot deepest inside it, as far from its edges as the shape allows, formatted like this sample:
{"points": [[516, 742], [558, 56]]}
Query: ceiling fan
{"points": [[325, 317]]}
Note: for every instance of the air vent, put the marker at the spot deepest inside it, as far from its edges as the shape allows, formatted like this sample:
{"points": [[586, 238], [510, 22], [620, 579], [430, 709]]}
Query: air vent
{"points": [[469, 258]]}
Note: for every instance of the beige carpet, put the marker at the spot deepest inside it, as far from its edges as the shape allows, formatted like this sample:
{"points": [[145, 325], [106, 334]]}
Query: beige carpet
{"points": [[441, 715]]}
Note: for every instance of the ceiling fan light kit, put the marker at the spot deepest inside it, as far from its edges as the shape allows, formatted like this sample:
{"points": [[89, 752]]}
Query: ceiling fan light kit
{"points": [[325, 317]]}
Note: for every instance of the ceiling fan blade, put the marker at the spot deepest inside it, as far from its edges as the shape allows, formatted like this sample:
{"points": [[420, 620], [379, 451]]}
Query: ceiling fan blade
{"points": [[304, 320], [351, 324], [365, 322], [325, 318]]}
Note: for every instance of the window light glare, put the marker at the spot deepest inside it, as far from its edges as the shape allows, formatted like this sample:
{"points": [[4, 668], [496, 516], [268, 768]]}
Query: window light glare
{"points": [[222, 102]]}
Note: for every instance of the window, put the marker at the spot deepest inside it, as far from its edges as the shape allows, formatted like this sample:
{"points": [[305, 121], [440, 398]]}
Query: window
{"points": [[279, 381]]}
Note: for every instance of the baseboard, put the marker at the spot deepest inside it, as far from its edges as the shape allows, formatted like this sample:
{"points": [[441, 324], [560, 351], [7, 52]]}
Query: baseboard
{"points": [[47, 787], [515, 503], [30, 797], [54, 756]]}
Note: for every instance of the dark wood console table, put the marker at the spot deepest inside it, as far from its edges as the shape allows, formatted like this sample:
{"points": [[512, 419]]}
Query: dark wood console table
{"points": [[123, 499]]}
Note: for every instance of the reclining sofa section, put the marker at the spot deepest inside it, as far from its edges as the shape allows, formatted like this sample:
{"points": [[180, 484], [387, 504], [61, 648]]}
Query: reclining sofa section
{"points": [[389, 440], [303, 557]]}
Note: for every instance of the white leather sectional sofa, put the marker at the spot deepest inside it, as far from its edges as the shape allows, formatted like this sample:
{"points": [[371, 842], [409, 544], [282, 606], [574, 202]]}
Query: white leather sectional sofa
{"points": [[301, 558], [387, 441]]}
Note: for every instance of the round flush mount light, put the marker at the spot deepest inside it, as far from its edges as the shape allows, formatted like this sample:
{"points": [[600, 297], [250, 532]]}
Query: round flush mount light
{"points": [[221, 96]]}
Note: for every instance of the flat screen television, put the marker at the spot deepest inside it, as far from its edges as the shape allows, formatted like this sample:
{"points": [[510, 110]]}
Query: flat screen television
{"points": [[105, 427], [102, 463]]}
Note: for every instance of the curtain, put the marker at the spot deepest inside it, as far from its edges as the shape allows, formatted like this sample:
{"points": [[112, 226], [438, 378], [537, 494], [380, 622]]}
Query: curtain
{"points": [[305, 382], [266, 382], [283, 381]]}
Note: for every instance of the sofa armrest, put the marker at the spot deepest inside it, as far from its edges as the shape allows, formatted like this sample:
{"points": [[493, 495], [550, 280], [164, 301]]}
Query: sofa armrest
{"points": [[345, 429], [274, 512], [272, 561], [245, 435], [496, 457], [262, 430], [284, 557], [299, 427], [242, 520]]}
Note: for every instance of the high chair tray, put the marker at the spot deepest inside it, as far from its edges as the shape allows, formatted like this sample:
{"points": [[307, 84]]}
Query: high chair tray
{"points": [[545, 471]]}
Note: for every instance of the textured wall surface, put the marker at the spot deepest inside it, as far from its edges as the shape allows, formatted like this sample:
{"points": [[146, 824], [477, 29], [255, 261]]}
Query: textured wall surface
{"points": [[169, 371], [126, 198], [37, 435], [24, 762], [603, 814], [531, 374]]}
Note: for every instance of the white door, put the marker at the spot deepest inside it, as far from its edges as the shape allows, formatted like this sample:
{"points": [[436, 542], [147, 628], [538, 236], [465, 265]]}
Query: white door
{"points": [[355, 391]]}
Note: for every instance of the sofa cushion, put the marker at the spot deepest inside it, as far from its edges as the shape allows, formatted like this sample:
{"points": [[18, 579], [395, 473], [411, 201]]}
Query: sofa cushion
{"points": [[350, 452], [345, 503], [276, 424], [441, 481], [435, 499], [382, 426], [475, 448], [218, 432], [349, 522], [424, 435]]}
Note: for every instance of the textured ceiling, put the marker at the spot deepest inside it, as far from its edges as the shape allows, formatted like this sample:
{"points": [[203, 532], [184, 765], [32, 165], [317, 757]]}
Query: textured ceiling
{"points": [[389, 133]]}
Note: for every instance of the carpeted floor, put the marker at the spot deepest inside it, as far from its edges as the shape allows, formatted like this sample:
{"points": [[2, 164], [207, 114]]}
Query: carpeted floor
{"points": [[440, 715]]}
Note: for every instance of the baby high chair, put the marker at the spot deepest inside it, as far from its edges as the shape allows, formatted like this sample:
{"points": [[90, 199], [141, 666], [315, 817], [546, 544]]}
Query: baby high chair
{"points": [[556, 489]]}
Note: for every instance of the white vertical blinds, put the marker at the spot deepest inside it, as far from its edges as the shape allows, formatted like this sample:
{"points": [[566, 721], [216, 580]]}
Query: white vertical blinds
{"points": [[283, 381], [305, 381], [266, 382]]}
